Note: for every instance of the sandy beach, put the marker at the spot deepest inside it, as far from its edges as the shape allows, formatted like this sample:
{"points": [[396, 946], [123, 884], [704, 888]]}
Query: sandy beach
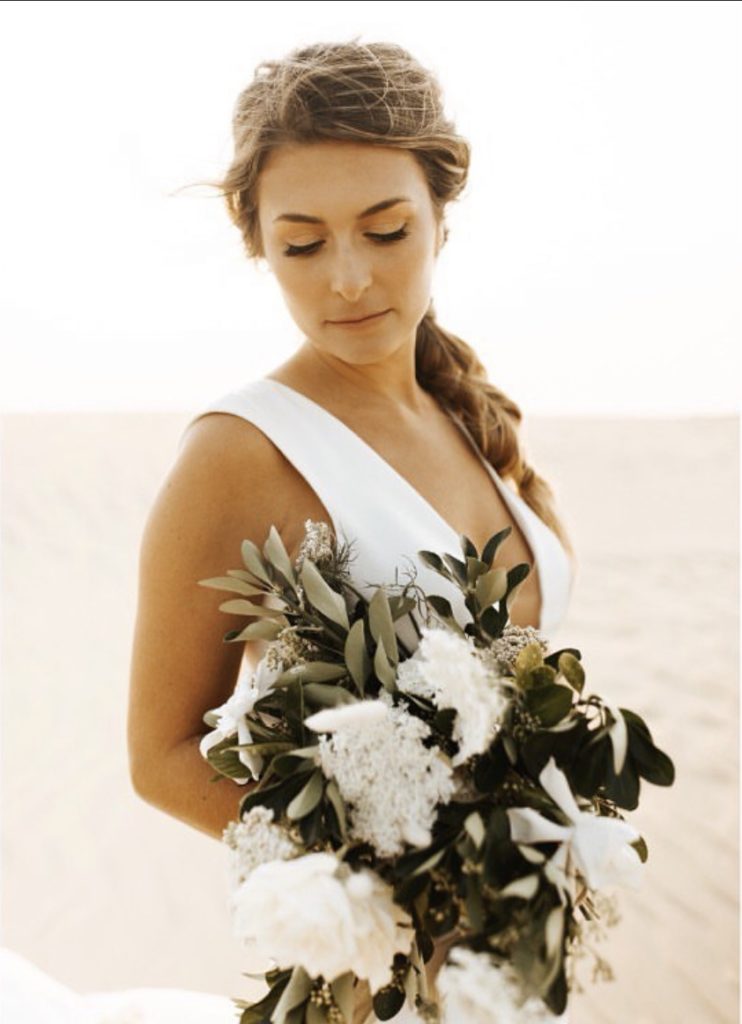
{"points": [[105, 892]]}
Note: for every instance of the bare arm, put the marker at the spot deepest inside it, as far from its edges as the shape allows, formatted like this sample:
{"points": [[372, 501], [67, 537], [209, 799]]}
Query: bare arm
{"points": [[223, 489]]}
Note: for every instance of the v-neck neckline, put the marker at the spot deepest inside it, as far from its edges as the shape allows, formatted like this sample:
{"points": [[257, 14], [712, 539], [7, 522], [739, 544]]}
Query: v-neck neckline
{"points": [[509, 499]]}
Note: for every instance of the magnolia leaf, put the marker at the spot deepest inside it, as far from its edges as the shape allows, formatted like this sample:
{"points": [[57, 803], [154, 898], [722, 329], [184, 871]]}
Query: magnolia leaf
{"points": [[322, 596], [236, 586], [474, 569], [307, 798], [276, 553], [381, 624], [549, 703], [491, 587], [253, 561], [356, 655]]}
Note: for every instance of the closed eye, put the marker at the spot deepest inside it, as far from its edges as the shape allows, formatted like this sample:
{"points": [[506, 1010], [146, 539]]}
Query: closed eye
{"points": [[301, 250]]}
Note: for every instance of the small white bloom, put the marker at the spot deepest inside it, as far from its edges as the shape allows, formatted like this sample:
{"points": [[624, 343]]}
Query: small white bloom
{"points": [[391, 781], [251, 686], [599, 846], [315, 912], [256, 839], [447, 669], [476, 990]]}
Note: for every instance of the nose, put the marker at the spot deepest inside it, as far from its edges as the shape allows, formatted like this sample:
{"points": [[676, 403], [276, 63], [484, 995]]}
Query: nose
{"points": [[350, 273]]}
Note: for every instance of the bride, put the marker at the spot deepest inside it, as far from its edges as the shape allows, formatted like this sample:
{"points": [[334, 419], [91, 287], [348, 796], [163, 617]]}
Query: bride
{"points": [[381, 422]]}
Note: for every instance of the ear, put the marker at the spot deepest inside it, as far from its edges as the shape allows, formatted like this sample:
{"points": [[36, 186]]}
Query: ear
{"points": [[440, 236]]}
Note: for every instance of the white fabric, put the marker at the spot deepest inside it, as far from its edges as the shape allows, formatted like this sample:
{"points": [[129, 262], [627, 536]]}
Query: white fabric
{"points": [[367, 499], [28, 995]]}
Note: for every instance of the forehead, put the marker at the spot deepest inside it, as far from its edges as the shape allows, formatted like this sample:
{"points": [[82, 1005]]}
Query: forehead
{"points": [[336, 178]]}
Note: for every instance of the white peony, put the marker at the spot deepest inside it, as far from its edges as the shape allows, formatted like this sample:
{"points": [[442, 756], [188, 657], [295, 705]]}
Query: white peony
{"points": [[252, 684], [447, 669], [599, 846], [314, 911], [475, 990]]}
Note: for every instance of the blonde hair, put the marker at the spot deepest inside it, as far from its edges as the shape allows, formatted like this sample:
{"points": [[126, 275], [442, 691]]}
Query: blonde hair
{"points": [[378, 94]]}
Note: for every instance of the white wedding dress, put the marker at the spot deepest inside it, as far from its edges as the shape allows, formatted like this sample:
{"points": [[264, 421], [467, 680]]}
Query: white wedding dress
{"points": [[369, 501]]}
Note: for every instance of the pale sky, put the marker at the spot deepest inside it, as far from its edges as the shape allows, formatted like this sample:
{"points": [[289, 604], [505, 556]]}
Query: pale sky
{"points": [[593, 261]]}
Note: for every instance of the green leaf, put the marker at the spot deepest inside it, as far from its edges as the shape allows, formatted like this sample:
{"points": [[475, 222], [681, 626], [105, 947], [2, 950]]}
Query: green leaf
{"points": [[253, 561], [327, 695], [276, 553], [308, 797], [529, 657], [238, 606], [312, 672], [382, 667], [433, 561], [356, 655], [549, 703], [296, 992], [343, 991], [236, 586], [333, 795], [381, 624], [491, 587], [322, 596], [490, 548], [475, 827], [263, 629], [572, 670]]}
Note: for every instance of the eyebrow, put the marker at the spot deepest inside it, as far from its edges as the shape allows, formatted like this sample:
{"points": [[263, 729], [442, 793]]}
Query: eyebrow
{"points": [[303, 218]]}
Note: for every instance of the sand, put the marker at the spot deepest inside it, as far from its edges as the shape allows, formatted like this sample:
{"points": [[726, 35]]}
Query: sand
{"points": [[104, 892]]}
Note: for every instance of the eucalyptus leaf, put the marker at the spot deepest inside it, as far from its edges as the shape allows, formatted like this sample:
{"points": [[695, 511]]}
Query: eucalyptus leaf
{"points": [[276, 553], [322, 596], [236, 586], [383, 669], [238, 606], [308, 797], [253, 561], [356, 655], [381, 624]]}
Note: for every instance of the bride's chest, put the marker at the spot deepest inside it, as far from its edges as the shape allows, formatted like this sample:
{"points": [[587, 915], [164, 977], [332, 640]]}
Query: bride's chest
{"points": [[436, 479]]}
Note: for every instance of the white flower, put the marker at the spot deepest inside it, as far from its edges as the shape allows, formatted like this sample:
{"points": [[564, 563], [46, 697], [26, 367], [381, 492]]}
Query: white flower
{"points": [[475, 990], [256, 839], [447, 669], [599, 846], [390, 779], [315, 912], [252, 684]]}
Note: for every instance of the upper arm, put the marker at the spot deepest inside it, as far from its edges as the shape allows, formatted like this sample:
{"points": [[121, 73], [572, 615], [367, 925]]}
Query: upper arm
{"points": [[223, 488]]}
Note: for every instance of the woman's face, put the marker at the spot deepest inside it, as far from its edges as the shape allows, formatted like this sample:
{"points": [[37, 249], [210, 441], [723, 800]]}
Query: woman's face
{"points": [[337, 201]]}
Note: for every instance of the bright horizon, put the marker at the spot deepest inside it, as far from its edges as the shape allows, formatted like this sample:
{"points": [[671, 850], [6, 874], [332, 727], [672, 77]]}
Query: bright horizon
{"points": [[593, 260]]}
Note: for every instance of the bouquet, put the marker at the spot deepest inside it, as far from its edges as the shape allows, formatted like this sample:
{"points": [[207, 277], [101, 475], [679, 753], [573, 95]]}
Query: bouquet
{"points": [[465, 789]]}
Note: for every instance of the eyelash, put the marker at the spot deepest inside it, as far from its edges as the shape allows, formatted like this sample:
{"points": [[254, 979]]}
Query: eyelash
{"points": [[306, 250]]}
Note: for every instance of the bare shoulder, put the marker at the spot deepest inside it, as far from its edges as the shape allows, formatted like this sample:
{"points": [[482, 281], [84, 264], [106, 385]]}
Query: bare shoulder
{"points": [[224, 487]]}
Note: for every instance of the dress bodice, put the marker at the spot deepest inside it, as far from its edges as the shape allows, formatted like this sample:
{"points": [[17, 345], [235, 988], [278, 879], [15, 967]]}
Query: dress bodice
{"points": [[374, 506]]}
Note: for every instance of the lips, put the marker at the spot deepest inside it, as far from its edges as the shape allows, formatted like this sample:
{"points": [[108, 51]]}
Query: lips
{"points": [[358, 320]]}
